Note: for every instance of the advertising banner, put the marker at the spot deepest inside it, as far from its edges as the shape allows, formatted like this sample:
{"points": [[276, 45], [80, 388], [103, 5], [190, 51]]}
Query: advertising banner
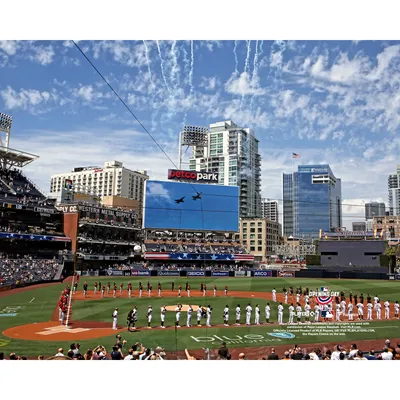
{"points": [[127, 273], [266, 274], [115, 272], [243, 274], [392, 277], [286, 274], [220, 273], [168, 273], [195, 273], [139, 273]]}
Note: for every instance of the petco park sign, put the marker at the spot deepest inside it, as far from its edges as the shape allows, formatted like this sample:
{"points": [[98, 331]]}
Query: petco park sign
{"points": [[175, 174]]}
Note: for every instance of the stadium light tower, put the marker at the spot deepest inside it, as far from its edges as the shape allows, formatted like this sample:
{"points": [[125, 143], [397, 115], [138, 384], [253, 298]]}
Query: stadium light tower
{"points": [[192, 136], [5, 126]]}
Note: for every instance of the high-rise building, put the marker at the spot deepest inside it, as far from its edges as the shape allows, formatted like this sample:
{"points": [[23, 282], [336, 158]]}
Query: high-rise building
{"points": [[269, 210], [312, 200], [232, 152], [374, 209], [359, 226], [111, 180], [394, 192]]}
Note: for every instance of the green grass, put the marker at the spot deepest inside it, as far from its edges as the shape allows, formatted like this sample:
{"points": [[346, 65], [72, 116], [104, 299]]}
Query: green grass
{"points": [[45, 302]]}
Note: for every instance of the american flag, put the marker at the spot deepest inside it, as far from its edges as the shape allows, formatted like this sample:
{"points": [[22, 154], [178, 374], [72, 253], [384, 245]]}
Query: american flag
{"points": [[295, 155]]}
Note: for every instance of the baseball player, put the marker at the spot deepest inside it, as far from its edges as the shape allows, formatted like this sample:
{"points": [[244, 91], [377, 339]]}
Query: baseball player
{"points": [[350, 310], [75, 287], [150, 289], [103, 289], [178, 315], [237, 316], [280, 314], [376, 299], [121, 286], [188, 291], [291, 313], [396, 309], [199, 315], [159, 289], [140, 290], [274, 295], [226, 315], [179, 291], [134, 317], [297, 297], [215, 290], [360, 307], [95, 287], [163, 312], [209, 312], [84, 289], [343, 306], [378, 310], [298, 313], [115, 291], [226, 290], [307, 309], [149, 316], [337, 311], [189, 317], [387, 309], [316, 311], [129, 290], [267, 313], [257, 315], [306, 298], [115, 319], [129, 319], [204, 290], [108, 287], [286, 296], [249, 309], [63, 313], [369, 311]]}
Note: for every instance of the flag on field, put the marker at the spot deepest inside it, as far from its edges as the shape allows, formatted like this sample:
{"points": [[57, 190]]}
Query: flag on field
{"points": [[294, 155]]}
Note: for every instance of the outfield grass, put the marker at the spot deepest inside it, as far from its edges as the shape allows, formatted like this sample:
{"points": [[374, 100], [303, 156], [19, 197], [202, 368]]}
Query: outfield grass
{"points": [[45, 301]]}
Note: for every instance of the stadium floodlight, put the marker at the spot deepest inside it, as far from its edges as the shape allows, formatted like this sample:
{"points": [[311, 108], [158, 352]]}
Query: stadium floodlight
{"points": [[192, 136], [5, 126]]}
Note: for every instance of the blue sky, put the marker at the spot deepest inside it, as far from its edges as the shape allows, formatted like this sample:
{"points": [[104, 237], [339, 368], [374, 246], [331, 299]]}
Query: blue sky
{"points": [[331, 102], [218, 208]]}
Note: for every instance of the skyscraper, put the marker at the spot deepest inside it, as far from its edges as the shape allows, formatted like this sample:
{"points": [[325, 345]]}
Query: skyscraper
{"points": [[394, 193], [269, 210], [312, 200], [232, 151], [374, 209]]}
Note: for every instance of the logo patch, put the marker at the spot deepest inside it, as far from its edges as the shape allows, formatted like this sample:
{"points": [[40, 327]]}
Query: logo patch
{"points": [[282, 335]]}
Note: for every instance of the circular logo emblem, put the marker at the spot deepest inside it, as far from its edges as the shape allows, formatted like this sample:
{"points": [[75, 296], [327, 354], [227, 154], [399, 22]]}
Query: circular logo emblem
{"points": [[324, 299]]}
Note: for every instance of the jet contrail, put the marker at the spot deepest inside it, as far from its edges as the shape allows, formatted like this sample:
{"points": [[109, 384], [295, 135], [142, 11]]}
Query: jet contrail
{"points": [[148, 62], [191, 66], [254, 75], [236, 58], [175, 66], [246, 63], [162, 67]]}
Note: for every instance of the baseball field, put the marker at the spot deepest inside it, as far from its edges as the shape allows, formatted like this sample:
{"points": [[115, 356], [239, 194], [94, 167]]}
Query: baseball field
{"points": [[29, 322]]}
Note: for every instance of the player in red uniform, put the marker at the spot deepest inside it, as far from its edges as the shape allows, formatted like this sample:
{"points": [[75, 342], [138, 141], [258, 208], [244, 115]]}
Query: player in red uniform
{"points": [[63, 313], [115, 291], [84, 289], [95, 287], [179, 291], [120, 288], [103, 289], [159, 289], [108, 287], [215, 290], [140, 290], [226, 290], [129, 289]]}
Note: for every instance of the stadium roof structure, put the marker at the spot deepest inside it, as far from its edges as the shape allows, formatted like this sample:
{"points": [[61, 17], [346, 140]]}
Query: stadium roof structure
{"points": [[15, 158]]}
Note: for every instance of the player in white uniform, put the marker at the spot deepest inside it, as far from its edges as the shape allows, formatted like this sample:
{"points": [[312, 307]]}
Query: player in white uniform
{"points": [[286, 297], [226, 315], [291, 313], [257, 315], [306, 299], [378, 310], [199, 315], [350, 310], [396, 309], [298, 312], [149, 316], [280, 314], [387, 309], [189, 317], [140, 291], [343, 307], [316, 311], [360, 307], [307, 309], [209, 312], [115, 319], [188, 291], [369, 311], [163, 312], [338, 309], [237, 316], [297, 297], [178, 315], [376, 299], [273, 294], [249, 309], [267, 313]]}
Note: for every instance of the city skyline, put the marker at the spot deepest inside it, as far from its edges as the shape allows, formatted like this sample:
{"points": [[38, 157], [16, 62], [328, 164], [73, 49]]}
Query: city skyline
{"points": [[329, 102]]}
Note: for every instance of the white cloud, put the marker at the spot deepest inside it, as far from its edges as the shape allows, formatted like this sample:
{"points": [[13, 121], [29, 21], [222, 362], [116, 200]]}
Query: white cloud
{"points": [[243, 85], [44, 55], [24, 98], [210, 83], [10, 47]]}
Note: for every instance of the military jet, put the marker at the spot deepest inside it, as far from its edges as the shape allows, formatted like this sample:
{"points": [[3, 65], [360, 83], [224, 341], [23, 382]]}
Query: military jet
{"points": [[179, 200], [197, 197]]}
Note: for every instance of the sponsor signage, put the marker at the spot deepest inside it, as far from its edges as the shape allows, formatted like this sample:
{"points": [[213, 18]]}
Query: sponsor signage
{"points": [[220, 273], [286, 274], [70, 208], [392, 277], [349, 234], [181, 175], [115, 272], [263, 273], [168, 273], [140, 273], [243, 274], [195, 273], [127, 273], [45, 210]]}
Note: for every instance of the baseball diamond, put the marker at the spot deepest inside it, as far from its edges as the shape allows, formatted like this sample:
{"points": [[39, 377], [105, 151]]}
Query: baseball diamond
{"points": [[34, 326]]}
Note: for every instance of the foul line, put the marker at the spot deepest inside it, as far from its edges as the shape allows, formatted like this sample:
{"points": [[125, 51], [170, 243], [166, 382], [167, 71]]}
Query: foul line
{"points": [[70, 298], [32, 300]]}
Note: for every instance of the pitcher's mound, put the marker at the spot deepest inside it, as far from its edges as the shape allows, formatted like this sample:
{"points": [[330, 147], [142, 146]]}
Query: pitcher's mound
{"points": [[184, 307]]}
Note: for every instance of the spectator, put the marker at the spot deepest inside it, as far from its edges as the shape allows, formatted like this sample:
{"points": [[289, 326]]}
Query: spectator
{"points": [[60, 352], [386, 354], [242, 356], [371, 355], [273, 355]]}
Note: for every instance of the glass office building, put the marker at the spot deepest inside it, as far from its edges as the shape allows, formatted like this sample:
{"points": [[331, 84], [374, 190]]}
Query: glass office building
{"points": [[312, 200]]}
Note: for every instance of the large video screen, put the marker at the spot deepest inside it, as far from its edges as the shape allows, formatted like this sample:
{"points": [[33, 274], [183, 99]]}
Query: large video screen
{"points": [[186, 206]]}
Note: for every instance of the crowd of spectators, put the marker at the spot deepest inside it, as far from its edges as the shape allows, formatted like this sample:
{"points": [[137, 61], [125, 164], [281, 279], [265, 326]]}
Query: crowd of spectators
{"points": [[21, 228], [195, 248], [26, 270], [106, 249], [203, 266]]}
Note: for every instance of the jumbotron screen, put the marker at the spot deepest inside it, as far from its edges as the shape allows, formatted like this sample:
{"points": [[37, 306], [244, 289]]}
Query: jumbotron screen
{"points": [[186, 206]]}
